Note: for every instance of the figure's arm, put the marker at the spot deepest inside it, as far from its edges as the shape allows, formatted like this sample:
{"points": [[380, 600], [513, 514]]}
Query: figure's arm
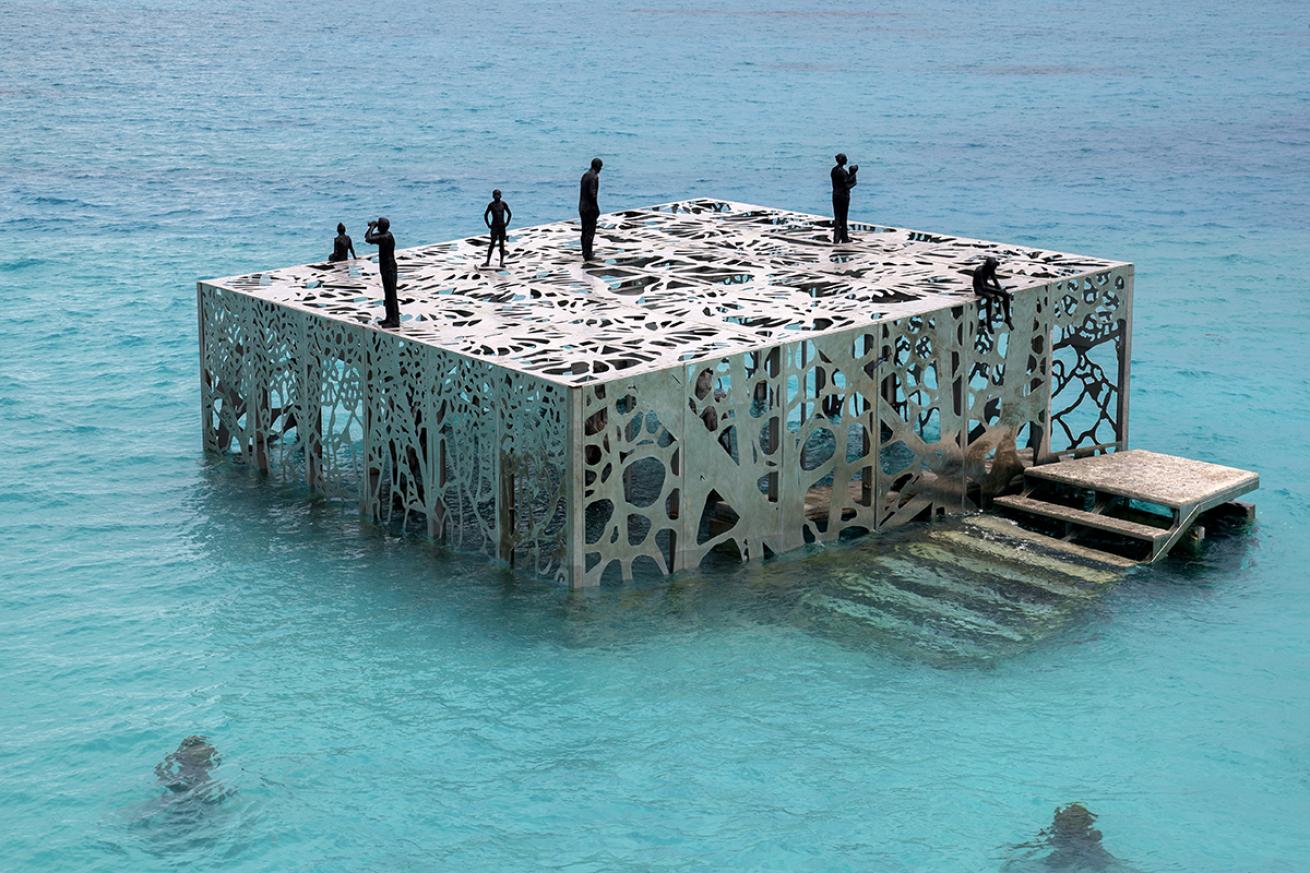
{"points": [[350, 244], [371, 235], [486, 215], [509, 214], [850, 177]]}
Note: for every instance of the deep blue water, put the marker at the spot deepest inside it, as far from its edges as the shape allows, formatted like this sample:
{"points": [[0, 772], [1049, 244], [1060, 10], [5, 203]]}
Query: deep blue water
{"points": [[381, 706]]}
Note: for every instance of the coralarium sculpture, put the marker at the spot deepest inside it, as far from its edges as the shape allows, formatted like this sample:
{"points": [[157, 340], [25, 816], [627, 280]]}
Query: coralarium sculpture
{"points": [[723, 381]]}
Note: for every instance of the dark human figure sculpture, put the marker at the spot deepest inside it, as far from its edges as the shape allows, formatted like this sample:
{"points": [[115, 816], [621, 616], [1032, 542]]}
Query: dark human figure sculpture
{"points": [[379, 234], [497, 216], [188, 768], [1070, 843], [588, 207], [988, 287], [341, 245], [843, 180], [1074, 843]]}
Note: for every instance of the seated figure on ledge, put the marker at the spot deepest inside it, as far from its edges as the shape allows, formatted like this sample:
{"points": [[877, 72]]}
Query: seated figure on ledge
{"points": [[988, 288]]}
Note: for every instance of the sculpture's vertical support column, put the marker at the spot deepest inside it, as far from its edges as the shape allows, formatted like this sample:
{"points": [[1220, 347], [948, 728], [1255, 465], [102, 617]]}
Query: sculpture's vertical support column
{"points": [[437, 521], [258, 372], [208, 438], [574, 508], [776, 415], [506, 521], [434, 449], [877, 394], [262, 414], [370, 478], [865, 408], [1045, 326], [1125, 362], [791, 491], [309, 400], [502, 529]]}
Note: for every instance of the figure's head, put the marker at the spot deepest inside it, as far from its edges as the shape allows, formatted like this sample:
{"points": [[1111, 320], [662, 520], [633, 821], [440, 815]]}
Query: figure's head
{"points": [[495, 195], [341, 228], [1073, 824], [841, 159], [383, 223], [990, 264], [596, 164], [196, 751]]}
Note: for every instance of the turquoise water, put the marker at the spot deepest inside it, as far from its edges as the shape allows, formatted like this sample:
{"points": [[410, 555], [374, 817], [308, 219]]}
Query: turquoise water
{"points": [[381, 706]]}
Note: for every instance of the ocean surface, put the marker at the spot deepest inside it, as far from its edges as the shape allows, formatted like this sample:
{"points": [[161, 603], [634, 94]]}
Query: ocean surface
{"points": [[379, 705]]}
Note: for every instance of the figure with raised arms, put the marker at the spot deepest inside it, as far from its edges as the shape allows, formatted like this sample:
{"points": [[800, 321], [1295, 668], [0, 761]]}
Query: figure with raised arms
{"points": [[379, 234], [843, 180]]}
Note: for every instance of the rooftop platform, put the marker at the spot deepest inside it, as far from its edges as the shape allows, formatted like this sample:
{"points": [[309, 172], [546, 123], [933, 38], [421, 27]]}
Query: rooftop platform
{"points": [[674, 284]]}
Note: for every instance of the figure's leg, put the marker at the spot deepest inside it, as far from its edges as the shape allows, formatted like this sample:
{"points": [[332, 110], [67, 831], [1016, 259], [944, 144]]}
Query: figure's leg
{"points": [[588, 236], [491, 247], [1006, 299], [503, 234], [393, 305], [836, 221]]}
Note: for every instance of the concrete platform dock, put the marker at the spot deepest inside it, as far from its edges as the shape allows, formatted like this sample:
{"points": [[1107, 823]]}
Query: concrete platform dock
{"points": [[1144, 497]]}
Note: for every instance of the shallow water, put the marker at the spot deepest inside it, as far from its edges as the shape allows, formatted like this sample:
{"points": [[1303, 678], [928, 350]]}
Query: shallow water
{"points": [[380, 705]]}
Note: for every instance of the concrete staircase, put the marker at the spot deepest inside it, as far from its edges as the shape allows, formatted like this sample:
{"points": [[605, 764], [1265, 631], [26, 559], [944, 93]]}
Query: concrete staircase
{"points": [[966, 592], [1134, 503]]}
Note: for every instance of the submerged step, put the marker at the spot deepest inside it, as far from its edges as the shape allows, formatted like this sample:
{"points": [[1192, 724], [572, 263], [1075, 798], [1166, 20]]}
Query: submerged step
{"points": [[1012, 576], [1052, 576], [1092, 560], [883, 591], [924, 572], [868, 618]]}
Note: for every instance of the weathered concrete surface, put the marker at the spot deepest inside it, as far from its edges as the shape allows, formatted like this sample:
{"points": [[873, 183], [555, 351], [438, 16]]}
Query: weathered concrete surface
{"points": [[1150, 476]]}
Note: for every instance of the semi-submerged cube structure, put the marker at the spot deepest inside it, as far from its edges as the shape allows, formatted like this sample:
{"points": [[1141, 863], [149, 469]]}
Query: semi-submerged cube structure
{"points": [[723, 380]]}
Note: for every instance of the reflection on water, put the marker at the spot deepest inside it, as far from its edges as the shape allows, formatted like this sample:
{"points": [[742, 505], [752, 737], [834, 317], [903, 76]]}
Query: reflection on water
{"points": [[961, 592]]}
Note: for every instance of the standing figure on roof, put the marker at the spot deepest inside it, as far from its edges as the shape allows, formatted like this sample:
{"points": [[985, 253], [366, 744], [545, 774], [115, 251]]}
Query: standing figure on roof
{"points": [[989, 290], [588, 207], [843, 180], [497, 216], [379, 234]]}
